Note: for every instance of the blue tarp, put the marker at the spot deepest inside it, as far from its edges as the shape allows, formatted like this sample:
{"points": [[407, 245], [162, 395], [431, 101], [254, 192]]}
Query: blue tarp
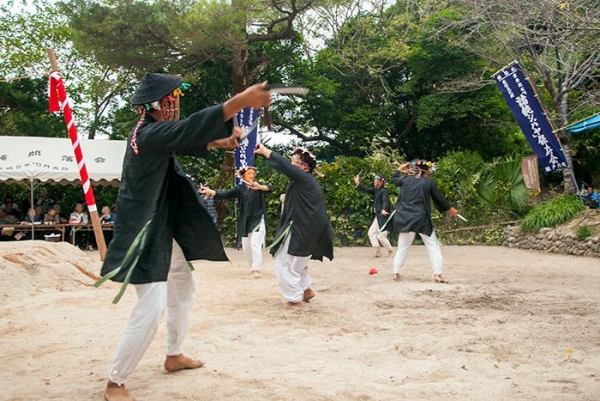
{"points": [[588, 123]]}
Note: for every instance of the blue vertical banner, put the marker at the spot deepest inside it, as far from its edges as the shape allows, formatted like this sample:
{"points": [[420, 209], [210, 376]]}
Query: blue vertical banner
{"points": [[247, 120], [521, 100]]}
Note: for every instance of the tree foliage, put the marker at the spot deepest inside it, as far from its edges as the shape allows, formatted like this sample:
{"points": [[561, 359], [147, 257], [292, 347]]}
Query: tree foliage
{"points": [[382, 80]]}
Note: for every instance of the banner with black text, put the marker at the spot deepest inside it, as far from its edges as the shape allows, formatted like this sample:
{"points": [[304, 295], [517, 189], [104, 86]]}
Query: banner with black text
{"points": [[247, 120], [521, 99]]}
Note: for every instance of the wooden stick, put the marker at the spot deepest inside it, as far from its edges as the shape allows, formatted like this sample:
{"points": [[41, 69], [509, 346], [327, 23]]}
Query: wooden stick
{"points": [[53, 61]]}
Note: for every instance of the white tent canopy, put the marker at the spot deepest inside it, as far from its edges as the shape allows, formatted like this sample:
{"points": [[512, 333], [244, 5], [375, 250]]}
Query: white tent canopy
{"points": [[25, 158]]}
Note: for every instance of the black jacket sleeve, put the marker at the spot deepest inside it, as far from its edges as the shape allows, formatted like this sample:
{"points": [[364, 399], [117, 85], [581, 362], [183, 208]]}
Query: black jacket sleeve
{"points": [[187, 136], [228, 193], [368, 190], [397, 178], [285, 167]]}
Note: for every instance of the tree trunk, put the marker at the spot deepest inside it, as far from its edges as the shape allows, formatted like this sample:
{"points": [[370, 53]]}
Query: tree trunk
{"points": [[239, 79], [561, 107]]}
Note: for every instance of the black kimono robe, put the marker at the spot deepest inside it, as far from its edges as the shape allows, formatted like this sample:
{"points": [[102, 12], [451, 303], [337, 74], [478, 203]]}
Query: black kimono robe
{"points": [[305, 207], [154, 188], [413, 209], [252, 207], [381, 201]]}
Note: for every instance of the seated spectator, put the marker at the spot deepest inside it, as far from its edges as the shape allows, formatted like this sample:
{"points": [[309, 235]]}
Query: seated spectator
{"points": [[591, 198], [7, 233], [39, 212], [107, 217], [78, 216], [80, 237], [61, 216], [45, 202], [6, 218], [11, 209], [52, 217], [32, 217]]}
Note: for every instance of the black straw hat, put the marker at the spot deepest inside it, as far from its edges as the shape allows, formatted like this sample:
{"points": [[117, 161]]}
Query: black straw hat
{"points": [[154, 87]]}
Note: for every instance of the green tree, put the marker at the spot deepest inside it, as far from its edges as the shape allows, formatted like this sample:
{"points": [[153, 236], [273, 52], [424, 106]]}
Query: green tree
{"points": [[24, 109], [381, 80], [556, 41]]}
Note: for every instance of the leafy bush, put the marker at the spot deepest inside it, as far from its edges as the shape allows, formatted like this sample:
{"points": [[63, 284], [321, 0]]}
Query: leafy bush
{"points": [[491, 236], [583, 232], [552, 213]]}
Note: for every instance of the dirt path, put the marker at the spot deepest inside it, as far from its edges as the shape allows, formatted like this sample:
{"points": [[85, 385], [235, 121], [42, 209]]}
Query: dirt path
{"points": [[511, 325]]}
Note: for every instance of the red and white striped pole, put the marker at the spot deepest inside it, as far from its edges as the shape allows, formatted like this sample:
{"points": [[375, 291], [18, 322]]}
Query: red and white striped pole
{"points": [[60, 100]]}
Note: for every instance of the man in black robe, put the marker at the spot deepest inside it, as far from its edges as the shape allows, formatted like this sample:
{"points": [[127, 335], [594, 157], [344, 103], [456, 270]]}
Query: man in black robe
{"points": [[251, 223], [413, 215], [381, 210], [162, 222], [304, 232]]}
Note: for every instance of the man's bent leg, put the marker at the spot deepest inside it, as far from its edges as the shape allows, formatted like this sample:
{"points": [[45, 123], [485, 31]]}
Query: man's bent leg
{"points": [[404, 242], [300, 265], [434, 252], [288, 279], [140, 331], [372, 233], [181, 291], [257, 240], [247, 249], [383, 240]]}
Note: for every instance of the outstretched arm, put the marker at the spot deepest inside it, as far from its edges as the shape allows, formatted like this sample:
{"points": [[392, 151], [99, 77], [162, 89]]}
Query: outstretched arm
{"points": [[280, 164], [255, 96]]}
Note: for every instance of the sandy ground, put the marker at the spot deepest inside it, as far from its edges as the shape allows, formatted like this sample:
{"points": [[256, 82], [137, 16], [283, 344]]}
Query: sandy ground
{"points": [[512, 325]]}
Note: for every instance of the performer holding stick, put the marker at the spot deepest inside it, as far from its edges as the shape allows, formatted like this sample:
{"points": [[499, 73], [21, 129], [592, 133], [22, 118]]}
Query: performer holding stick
{"points": [[381, 210], [251, 224], [303, 231], [162, 222], [413, 214]]}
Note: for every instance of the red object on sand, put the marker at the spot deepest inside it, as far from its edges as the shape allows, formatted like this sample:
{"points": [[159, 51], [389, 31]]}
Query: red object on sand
{"points": [[373, 271]]}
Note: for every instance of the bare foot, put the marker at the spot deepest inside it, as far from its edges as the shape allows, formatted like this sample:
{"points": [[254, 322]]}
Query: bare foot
{"points": [[438, 278], [255, 274], [308, 295], [114, 392], [173, 363], [396, 277], [390, 253], [377, 253]]}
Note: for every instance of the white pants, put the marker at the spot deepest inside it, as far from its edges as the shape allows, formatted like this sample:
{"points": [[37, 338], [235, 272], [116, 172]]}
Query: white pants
{"points": [[381, 238], [252, 246], [292, 274], [177, 295], [431, 244]]}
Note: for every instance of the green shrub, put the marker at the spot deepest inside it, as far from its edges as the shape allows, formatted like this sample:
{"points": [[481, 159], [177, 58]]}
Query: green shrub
{"points": [[552, 213], [583, 232]]}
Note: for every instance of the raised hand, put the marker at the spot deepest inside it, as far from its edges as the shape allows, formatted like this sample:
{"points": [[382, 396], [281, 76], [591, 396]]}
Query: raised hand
{"points": [[230, 143], [261, 149], [255, 96], [207, 191]]}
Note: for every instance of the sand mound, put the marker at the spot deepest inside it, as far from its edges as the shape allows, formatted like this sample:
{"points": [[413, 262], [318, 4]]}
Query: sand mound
{"points": [[28, 267]]}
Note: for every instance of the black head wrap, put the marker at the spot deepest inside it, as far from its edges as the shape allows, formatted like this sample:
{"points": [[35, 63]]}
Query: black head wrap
{"points": [[154, 87], [306, 157]]}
